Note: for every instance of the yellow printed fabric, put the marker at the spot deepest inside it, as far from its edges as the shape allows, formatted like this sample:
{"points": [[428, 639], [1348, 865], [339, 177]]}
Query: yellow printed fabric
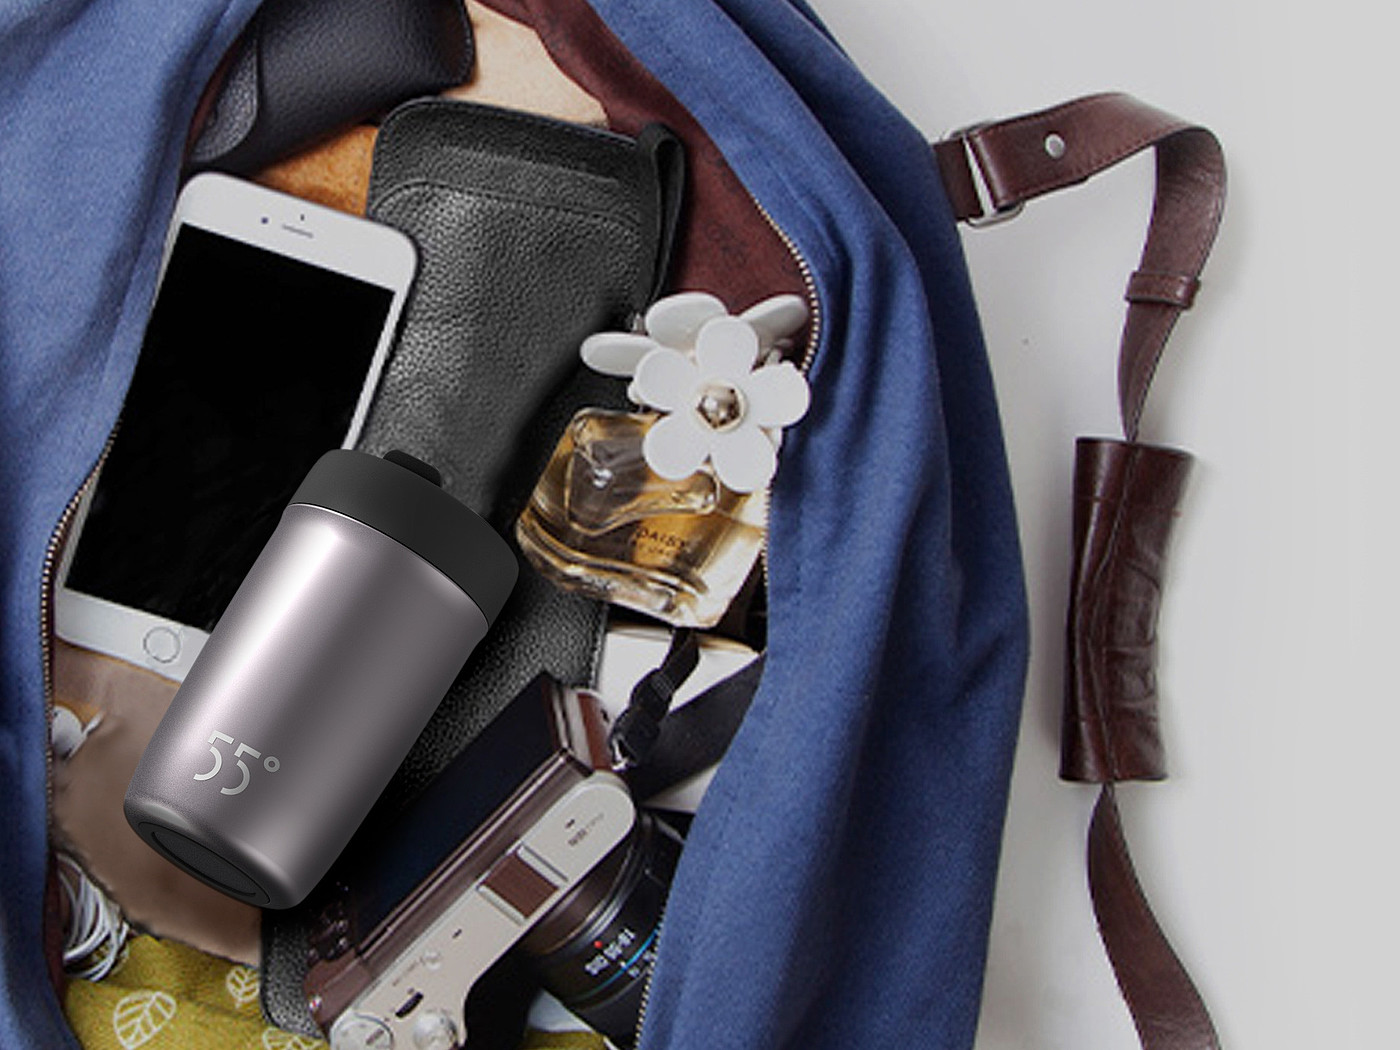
{"points": [[537, 1040], [166, 996]]}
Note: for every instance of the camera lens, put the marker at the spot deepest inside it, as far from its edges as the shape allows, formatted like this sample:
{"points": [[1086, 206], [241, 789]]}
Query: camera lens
{"points": [[595, 949]]}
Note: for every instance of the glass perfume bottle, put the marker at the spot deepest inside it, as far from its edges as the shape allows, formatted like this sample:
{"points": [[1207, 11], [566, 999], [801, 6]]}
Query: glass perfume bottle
{"points": [[602, 522]]}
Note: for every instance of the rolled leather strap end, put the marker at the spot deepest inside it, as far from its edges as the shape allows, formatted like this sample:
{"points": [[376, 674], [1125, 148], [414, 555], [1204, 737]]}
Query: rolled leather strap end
{"points": [[1126, 499]]}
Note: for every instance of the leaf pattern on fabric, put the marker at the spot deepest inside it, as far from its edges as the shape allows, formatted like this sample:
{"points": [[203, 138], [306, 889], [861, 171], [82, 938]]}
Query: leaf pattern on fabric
{"points": [[278, 1039], [242, 985], [139, 1016]]}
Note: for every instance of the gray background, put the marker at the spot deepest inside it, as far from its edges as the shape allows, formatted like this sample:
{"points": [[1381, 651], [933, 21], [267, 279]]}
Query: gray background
{"points": [[1270, 853]]}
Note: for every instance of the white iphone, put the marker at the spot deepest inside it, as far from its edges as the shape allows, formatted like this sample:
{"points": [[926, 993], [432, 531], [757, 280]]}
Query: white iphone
{"points": [[271, 324]]}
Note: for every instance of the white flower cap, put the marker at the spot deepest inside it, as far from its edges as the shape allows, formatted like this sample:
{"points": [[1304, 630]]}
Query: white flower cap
{"points": [[711, 374]]}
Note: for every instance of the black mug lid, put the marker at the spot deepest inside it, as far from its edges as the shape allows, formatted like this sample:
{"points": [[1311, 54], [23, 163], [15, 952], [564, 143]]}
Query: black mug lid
{"points": [[402, 497]]}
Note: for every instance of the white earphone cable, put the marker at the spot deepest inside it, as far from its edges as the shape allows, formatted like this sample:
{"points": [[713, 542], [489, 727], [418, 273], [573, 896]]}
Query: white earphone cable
{"points": [[96, 932]]}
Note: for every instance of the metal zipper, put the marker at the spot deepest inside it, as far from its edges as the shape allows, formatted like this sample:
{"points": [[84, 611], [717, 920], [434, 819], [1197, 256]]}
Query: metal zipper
{"points": [[809, 352], [46, 588], [646, 985], [809, 285], [804, 365]]}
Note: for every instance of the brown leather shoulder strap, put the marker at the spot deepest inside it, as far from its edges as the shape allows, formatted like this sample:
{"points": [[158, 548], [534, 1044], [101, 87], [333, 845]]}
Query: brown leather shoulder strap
{"points": [[1017, 160], [1126, 499]]}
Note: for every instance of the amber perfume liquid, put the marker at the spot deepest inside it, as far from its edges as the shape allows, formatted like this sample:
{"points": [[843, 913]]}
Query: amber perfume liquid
{"points": [[601, 522]]}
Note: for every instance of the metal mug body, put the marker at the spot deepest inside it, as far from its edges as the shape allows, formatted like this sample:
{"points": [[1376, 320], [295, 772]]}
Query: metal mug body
{"points": [[335, 651]]}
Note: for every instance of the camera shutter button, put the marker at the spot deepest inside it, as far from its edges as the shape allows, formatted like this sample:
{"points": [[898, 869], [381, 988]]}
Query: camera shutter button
{"points": [[435, 1030], [361, 1032]]}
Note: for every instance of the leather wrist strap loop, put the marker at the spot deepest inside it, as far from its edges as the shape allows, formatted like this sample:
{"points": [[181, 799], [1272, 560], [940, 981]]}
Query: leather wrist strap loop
{"points": [[1126, 495]]}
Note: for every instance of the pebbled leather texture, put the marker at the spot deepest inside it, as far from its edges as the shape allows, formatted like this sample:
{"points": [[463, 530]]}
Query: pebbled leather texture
{"points": [[531, 235], [305, 69], [1126, 499]]}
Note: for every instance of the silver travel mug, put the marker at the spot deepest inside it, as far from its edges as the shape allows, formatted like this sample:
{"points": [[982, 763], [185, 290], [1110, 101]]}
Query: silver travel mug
{"points": [[339, 644]]}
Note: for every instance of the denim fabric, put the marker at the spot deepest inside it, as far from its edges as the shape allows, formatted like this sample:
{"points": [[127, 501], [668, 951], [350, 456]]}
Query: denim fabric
{"points": [[95, 97], [837, 885], [836, 889]]}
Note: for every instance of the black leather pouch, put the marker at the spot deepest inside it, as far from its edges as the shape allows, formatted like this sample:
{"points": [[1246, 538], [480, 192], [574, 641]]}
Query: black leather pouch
{"points": [[303, 69], [532, 234]]}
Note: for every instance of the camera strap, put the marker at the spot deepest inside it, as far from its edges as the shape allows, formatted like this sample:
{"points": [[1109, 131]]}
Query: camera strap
{"points": [[696, 735], [634, 734]]}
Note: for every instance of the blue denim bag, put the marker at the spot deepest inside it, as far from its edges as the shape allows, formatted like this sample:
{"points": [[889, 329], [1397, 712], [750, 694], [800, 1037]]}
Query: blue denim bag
{"points": [[837, 883]]}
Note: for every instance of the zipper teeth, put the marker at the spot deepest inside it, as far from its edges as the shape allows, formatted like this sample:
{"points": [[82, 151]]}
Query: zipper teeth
{"points": [[809, 352], [804, 365], [56, 538], [46, 588], [646, 987], [809, 283]]}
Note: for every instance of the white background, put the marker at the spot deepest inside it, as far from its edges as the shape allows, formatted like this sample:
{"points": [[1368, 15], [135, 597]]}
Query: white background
{"points": [[1270, 854]]}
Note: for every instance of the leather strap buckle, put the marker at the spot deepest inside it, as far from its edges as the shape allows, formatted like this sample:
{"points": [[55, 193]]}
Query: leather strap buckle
{"points": [[992, 214]]}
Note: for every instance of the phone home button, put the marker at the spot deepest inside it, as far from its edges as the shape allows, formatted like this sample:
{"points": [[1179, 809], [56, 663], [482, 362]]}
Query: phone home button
{"points": [[161, 644]]}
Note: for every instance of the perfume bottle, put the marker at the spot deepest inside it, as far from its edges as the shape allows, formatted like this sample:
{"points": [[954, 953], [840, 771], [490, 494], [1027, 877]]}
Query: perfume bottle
{"points": [[664, 510], [601, 521]]}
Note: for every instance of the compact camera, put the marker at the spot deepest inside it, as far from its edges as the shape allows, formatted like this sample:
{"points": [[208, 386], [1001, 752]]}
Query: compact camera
{"points": [[527, 838]]}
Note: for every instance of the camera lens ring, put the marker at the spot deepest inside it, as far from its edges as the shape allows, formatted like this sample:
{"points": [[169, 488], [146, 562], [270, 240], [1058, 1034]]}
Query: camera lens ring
{"points": [[594, 951]]}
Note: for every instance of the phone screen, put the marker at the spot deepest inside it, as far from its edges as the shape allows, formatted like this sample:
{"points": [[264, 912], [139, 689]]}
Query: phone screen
{"points": [[252, 367]]}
